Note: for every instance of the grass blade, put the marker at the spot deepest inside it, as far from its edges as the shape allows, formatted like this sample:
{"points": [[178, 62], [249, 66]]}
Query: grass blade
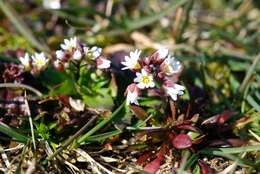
{"points": [[186, 21], [138, 23], [20, 25], [253, 103], [69, 140], [249, 73], [240, 162], [191, 161], [13, 134], [103, 136], [101, 124], [231, 150]]}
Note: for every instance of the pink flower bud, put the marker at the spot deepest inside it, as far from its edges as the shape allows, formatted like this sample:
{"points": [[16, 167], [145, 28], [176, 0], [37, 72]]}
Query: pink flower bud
{"points": [[132, 94], [173, 89], [103, 63]]}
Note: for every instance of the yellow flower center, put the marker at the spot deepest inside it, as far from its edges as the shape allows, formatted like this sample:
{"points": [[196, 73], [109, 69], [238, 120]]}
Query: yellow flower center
{"points": [[167, 69], [137, 66], [145, 79], [39, 62]]}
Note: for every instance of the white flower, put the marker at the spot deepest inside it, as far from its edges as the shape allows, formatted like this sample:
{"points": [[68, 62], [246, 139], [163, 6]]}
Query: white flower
{"points": [[57, 63], [94, 52], [77, 55], [25, 61], [162, 53], [103, 63], [69, 44], [132, 94], [51, 4], [39, 61], [85, 49], [173, 90], [60, 54], [66, 64], [131, 61], [76, 104], [171, 66], [144, 80]]}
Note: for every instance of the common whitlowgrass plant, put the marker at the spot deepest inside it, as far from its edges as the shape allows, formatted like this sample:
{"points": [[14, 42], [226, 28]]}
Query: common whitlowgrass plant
{"points": [[157, 74]]}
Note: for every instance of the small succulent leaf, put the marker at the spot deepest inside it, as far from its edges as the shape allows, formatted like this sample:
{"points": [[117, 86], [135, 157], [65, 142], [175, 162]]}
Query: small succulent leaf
{"points": [[182, 141]]}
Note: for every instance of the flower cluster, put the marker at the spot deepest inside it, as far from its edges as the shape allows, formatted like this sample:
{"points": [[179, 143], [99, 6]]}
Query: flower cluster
{"points": [[74, 51], [71, 51], [160, 72], [35, 63]]}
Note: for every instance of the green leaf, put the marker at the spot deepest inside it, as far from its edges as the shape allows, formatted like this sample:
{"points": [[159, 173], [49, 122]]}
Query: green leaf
{"points": [[191, 161], [196, 169], [58, 82], [150, 102], [253, 103], [238, 65], [234, 84], [100, 100], [66, 88], [43, 131], [8, 59]]}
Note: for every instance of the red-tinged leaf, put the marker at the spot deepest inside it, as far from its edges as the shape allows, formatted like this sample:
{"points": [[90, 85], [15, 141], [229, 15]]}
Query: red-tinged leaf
{"points": [[236, 142], [108, 146], [182, 141], [186, 122], [139, 112], [153, 166], [219, 118], [143, 158], [189, 127], [163, 151], [64, 99], [182, 122], [171, 136], [224, 116], [228, 142], [204, 168]]}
